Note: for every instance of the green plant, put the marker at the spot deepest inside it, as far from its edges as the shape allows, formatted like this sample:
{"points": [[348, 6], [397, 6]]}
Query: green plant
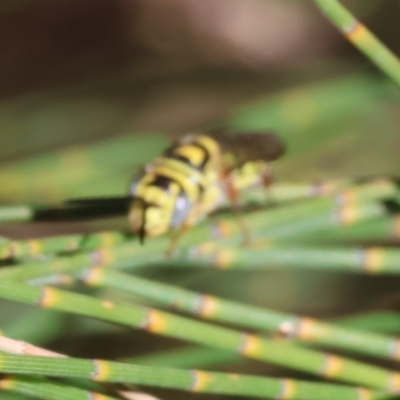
{"points": [[334, 225]]}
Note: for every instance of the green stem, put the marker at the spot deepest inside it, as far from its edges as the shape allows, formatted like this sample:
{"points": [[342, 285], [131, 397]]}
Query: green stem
{"points": [[192, 380], [43, 389], [361, 37], [248, 345], [250, 317]]}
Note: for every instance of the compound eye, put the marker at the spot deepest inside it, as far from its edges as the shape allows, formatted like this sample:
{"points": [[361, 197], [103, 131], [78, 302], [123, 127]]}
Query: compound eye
{"points": [[181, 210]]}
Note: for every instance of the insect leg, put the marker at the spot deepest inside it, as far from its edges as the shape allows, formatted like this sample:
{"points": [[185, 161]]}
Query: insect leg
{"points": [[267, 180], [189, 221], [176, 237], [232, 195]]}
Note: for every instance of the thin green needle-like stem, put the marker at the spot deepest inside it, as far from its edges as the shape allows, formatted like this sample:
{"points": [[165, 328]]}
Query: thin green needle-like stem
{"points": [[189, 380], [44, 389], [131, 255], [346, 208], [61, 244], [361, 260], [382, 228], [121, 256], [361, 37], [248, 345], [188, 357], [11, 346], [214, 308]]}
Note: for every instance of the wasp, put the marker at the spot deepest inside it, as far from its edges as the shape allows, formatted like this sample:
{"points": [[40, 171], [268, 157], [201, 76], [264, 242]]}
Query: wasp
{"points": [[190, 179]]}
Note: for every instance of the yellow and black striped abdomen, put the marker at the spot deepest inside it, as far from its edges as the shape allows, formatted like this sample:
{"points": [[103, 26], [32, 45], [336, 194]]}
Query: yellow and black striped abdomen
{"points": [[171, 190]]}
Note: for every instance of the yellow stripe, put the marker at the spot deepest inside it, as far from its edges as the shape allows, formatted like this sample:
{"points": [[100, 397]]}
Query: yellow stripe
{"points": [[364, 394], [210, 144], [394, 349], [156, 322], [107, 304], [288, 389], [347, 207], [94, 276], [251, 345], [306, 330], [394, 383], [98, 396], [208, 306], [155, 194], [193, 153], [7, 383], [49, 297], [101, 370], [223, 258], [7, 251], [355, 31], [200, 380], [189, 186], [373, 259], [348, 214], [180, 167], [35, 247], [333, 366]]}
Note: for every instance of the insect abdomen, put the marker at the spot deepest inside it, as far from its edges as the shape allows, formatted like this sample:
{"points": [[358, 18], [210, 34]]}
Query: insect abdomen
{"points": [[170, 188]]}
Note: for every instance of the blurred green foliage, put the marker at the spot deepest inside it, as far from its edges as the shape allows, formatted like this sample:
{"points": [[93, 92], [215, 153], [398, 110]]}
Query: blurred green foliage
{"points": [[86, 137]]}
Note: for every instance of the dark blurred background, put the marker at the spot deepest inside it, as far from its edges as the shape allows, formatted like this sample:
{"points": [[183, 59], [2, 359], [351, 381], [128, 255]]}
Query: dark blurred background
{"points": [[77, 70]]}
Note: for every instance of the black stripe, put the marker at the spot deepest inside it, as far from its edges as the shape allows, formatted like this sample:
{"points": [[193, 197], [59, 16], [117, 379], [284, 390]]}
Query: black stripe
{"points": [[170, 153], [162, 182], [206, 155]]}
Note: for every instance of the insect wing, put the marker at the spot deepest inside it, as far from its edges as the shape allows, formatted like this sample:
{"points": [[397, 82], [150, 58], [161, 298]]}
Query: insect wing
{"points": [[240, 148]]}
